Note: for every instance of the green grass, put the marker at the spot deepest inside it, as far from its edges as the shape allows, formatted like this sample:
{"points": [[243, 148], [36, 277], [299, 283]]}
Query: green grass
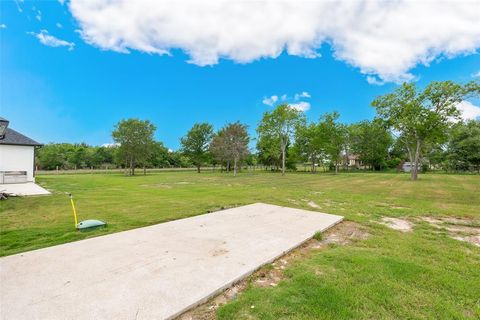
{"points": [[390, 275], [318, 236]]}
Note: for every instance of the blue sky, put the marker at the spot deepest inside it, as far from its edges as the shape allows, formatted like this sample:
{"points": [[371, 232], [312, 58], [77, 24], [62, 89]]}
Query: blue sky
{"points": [[68, 84]]}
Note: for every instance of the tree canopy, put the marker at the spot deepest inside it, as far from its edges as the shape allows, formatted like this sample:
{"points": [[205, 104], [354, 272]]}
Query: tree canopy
{"points": [[370, 140], [230, 145], [423, 116], [277, 129], [333, 134], [195, 144], [135, 139]]}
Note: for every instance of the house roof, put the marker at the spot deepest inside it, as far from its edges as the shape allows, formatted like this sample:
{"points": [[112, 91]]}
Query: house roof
{"points": [[13, 137]]}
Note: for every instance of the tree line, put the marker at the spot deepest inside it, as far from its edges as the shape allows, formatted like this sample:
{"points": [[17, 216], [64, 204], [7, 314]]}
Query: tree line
{"points": [[422, 127], [69, 156]]}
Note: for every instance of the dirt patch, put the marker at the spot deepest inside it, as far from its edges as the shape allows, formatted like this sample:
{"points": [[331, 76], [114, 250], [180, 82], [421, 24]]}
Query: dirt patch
{"points": [[271, 275], [475, 240], [462, 229], [293, 201], [397, 224], [313, 204]]}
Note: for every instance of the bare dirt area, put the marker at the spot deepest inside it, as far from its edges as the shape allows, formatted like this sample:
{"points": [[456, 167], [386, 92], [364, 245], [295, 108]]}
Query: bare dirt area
{"points": [[397, 224], [270, 275], [313, 204], [462, 229]]}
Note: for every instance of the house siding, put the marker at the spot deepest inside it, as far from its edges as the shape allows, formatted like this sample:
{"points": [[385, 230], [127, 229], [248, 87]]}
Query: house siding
{"points": [[18, 158]]}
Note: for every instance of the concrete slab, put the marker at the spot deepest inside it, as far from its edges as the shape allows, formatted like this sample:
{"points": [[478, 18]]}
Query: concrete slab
{"points": [[23, 189], [155, 272]]}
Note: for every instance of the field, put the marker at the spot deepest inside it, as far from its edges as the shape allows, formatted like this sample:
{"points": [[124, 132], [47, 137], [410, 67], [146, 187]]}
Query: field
{"points": [[389, 274]]}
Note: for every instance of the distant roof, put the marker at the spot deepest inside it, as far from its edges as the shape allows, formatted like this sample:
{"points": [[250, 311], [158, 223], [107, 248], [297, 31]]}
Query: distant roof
{"points": [[16, 138]]}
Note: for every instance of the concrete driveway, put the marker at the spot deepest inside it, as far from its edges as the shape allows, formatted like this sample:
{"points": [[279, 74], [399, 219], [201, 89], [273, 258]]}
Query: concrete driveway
{"points": [[155, 272], [23, 189]]}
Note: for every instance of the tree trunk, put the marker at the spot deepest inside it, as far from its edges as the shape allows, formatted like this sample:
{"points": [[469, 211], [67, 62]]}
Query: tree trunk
{"points": [[414, 171], [144, 170], [235, 167], [283, 160], [198, 168], [336, 167], [132, 166]]}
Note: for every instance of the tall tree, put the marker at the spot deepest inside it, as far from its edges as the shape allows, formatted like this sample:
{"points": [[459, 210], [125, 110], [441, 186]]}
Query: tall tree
{"points": [[279, 126], [423, 116], [371, 140], [308, 144], [269, 152], [135, 138], [196, 143], [463, 148], [333, 133], [230, 145]]}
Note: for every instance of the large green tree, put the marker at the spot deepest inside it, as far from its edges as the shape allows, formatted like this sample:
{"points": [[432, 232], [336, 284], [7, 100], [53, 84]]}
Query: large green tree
{"points": [[277, 128], [135, 139], [463, 148], [230, 145], [423, 116], [371, 141], [333, 133], [309, 144], [195, 144]]}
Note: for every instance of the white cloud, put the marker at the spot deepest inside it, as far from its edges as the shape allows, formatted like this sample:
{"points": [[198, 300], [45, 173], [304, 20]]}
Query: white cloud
{"points": [[301, 95], [52, 41], [3, 26], [300, 106], [19, 8], [59, 25], [270, 101], [476, 75], [111, 145], [39, 15], [468, 110], [382, 38], [375, 81], [62, 2]]}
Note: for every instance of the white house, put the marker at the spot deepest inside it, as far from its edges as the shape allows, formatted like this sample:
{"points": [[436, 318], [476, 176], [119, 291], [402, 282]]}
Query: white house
{"points": [[17, 155]]}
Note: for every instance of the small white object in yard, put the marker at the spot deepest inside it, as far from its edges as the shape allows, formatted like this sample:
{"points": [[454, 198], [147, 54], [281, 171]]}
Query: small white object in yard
{"points": [[252, 307], [397, 224]]}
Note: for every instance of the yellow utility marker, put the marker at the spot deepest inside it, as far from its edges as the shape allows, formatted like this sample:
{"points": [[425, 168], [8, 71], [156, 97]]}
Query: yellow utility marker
{"points": [[74, 211], [86, 224]]}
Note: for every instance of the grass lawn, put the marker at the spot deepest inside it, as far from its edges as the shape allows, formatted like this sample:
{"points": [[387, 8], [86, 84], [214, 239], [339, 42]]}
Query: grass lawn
{"points": [[419, 274]]}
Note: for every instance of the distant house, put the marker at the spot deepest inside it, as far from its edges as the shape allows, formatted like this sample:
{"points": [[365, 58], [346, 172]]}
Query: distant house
{"points": [[17, 155], [353, 161]]}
